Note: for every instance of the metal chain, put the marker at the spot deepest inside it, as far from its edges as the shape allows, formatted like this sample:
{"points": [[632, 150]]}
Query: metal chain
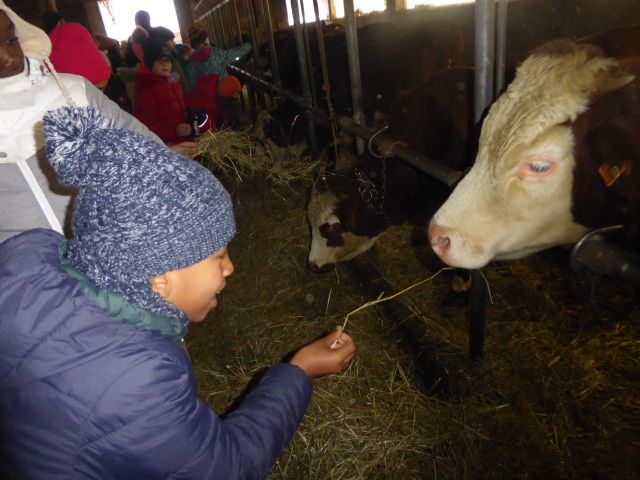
{"points": [[370, 194]]}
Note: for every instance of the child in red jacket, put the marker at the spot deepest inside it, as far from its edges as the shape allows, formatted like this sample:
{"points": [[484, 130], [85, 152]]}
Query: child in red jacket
{"points": [[159, 99]]}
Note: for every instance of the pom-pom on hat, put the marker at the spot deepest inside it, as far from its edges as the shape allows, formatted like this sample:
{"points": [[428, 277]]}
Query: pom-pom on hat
{"points": [[75, 51], [229, 86], [142, 210]]}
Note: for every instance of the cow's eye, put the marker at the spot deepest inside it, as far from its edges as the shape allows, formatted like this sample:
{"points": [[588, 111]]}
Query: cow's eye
{"points": [[333, 234], [539, 166], [536, 167]]}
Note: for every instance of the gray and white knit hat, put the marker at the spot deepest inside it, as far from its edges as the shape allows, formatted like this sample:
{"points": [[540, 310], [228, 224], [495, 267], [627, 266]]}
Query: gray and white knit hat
{"points": [[143, 209]]}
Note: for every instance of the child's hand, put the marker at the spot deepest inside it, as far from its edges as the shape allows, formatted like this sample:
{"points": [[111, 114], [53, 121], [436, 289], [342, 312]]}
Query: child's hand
{"points": [[188, 148], [318, 358], [183, 130]]}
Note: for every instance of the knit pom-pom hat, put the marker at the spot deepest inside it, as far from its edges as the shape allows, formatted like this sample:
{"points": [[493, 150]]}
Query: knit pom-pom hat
{"points": [[142, 210], [229, 86], [196, 36], [75, 51]]}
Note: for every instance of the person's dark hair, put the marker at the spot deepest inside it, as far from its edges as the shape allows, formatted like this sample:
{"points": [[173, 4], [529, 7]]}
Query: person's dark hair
{"points": [[143, 19], [50, 20]]}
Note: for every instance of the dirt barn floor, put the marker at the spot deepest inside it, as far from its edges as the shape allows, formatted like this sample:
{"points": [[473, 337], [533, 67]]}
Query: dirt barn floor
{"points": [[557, 395]]}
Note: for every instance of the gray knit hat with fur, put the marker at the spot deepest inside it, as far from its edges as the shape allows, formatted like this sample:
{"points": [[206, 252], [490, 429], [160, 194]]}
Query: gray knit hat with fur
{"points": [[143, 209]]}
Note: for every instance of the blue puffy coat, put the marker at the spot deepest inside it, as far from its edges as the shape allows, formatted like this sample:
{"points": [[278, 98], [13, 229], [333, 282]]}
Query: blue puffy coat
{"points": [[87, 394]]}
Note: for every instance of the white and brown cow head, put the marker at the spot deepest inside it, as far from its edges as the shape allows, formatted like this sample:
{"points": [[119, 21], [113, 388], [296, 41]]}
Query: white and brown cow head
{"points": [[343, 226], [568, 112]]}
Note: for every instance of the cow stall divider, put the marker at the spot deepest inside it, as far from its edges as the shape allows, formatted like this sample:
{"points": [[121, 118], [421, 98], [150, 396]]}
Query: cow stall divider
{"points": [[259, 84]]}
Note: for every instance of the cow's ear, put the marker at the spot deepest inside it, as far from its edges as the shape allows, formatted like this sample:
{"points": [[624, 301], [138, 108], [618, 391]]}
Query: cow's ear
{"points": [[612, 79]]}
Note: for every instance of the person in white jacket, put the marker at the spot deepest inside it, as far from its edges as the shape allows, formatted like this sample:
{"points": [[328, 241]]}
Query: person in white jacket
{"points": [[30, 194]]}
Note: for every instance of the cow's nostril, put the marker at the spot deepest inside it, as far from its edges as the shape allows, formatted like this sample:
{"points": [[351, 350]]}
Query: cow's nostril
{"points": [[440, 244], [439, 239]]}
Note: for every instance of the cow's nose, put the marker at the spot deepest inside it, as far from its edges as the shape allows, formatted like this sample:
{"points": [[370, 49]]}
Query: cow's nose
{"points": [[439, 239], [327, 267]]}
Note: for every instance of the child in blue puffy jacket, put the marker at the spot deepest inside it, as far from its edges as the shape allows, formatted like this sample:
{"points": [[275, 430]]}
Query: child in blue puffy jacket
{"points": [[95, 381]]}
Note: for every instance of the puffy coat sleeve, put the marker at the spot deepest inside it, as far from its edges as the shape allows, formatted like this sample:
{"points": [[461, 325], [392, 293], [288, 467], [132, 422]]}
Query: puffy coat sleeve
{"points": [[151, 424], [111, 110], [227, 57]]}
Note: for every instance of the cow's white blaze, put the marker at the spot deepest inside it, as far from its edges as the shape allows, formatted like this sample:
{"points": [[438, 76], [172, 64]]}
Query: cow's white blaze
{"points": [[516, 200]]}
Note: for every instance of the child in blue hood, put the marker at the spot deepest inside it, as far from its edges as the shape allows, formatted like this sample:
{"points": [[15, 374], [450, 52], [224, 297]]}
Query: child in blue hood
{"points": [[94, 379]]}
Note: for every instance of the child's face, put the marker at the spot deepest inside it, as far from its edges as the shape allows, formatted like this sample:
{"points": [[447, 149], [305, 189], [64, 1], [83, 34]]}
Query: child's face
{"points": [[193, 289], [162, 67], [11, 56]]}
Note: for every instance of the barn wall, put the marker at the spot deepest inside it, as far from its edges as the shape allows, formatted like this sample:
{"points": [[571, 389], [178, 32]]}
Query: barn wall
{"points": [[530, 22]]}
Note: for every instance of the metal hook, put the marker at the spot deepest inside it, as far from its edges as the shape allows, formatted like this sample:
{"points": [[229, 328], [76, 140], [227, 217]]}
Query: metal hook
{"points": [[575, 265], [370, 142]]}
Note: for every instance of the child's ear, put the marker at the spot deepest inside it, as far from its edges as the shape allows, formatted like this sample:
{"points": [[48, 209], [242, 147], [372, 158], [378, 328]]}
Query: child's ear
{"points": [[161, 285]]}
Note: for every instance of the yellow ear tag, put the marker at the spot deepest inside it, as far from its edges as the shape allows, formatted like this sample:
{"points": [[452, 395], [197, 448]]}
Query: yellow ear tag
{"points": [[610, 174]]}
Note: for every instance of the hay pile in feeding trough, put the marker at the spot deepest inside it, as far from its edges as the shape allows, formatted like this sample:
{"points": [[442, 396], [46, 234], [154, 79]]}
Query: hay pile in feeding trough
{"points": [[556, 396], [237, 154]]}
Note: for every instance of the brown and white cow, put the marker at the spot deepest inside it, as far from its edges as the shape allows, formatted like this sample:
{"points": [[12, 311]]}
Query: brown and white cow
{"points": [[558, 155]]}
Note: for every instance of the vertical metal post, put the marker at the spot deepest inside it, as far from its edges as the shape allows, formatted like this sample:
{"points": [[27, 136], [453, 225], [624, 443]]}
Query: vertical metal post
{"points": [[210, 27], [485, 17], [501, 46], [307, 47], [477, 311], [220, 23], [223, 29], [233, 14], [251, 18], [235, 9], [304, 75], [354, 68], [216, 24], [230, 24], [273, 55], [485, 21]]}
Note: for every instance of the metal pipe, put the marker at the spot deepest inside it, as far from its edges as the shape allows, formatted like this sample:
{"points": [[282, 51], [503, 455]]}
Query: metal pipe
{"points": [[251, 19], [484, 88], [326, 84], [477, 313], [228, 18], [388, 146], [307, 47], [485, 55], [209, 26], [596, 257], [235, 9], [273, 54], [223, 33], [304, 74], [212, 9], [216, 25], [354, 67], [501, 46], [319, 117]]}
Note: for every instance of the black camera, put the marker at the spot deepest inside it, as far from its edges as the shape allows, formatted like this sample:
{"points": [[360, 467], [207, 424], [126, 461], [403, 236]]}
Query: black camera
{"points": [[197, 118]]}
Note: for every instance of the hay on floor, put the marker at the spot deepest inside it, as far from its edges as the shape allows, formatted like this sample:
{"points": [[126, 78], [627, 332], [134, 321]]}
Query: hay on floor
{"points": [[556, 396]]}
